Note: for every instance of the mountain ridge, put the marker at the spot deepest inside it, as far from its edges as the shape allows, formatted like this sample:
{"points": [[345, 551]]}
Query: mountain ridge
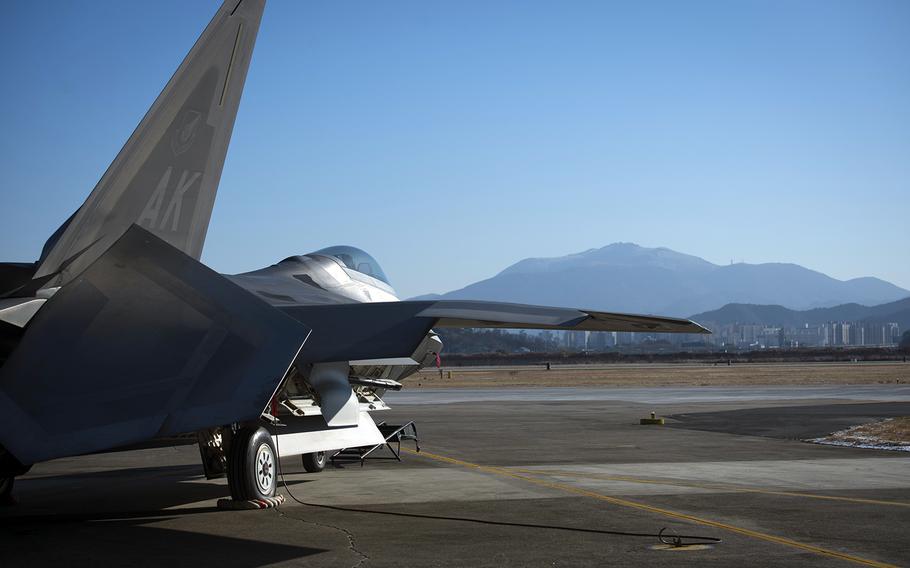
{"points": [[897, 312], [626, 277]]}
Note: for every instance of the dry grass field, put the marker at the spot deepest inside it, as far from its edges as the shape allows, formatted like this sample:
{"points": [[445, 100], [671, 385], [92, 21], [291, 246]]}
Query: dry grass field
{"points": [[891, 434], [652, 375]]}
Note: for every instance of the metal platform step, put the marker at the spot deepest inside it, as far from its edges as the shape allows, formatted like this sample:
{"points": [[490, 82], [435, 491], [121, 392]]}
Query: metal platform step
{"points": [[393, 434]]}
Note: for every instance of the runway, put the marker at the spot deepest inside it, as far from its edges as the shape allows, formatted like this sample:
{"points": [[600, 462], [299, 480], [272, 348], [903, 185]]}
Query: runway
{"points": [[655, 395], [504, 480]]}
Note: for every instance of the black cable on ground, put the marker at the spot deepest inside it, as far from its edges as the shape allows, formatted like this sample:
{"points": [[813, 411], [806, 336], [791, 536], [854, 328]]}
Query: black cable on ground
{"points": [[665, 534], [351, 544]]}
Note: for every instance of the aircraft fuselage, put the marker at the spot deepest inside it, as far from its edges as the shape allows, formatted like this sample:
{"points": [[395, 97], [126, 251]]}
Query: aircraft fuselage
{"points": [[337, 275]]}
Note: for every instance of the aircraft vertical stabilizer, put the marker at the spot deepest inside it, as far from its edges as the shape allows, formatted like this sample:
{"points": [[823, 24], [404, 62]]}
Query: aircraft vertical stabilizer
{"points": [[165, 177]]}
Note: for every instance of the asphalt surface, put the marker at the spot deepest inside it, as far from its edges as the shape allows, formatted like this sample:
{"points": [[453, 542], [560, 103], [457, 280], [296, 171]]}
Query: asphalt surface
{"points": [[798, 423], [504, 482], [656, 395]]}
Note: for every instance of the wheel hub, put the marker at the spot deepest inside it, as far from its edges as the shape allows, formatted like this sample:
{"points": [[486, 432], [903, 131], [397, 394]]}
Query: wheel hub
{"points": [[265, 468]]}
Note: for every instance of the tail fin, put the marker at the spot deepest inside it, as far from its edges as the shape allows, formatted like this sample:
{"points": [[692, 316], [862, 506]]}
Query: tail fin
{"points": [[167, 173]]}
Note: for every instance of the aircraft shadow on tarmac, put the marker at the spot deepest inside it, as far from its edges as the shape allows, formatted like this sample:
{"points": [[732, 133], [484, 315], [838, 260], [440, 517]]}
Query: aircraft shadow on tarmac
{"points": [[102, 495], [98, 518], [111, 542]]}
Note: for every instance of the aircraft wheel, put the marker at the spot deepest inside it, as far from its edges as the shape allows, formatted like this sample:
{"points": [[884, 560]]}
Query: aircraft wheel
{"points": [[6, 490], [252, 465], [314, 462]]}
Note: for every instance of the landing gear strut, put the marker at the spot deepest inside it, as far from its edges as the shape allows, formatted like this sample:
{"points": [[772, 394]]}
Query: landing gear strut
{"points": [[10, 467], [6, 490], [252, 465]]}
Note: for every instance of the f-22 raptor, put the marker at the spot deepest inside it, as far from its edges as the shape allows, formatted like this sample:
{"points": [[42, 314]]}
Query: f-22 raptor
{"points": [[118, 335]]}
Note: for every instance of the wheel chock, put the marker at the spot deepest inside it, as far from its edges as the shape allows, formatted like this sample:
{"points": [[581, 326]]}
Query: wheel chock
{"points": [[267, 503]]}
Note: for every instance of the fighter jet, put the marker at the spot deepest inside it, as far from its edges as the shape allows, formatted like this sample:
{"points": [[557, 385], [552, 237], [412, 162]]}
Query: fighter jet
{"points": [[118, 334]]}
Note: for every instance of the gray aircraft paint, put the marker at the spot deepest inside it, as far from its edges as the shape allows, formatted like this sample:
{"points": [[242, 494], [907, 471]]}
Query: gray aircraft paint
{"points": [[146, 343], [165, 177]]}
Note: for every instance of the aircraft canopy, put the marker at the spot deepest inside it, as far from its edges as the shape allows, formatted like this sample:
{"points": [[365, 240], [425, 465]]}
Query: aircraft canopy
{"points": [[355, 259]]}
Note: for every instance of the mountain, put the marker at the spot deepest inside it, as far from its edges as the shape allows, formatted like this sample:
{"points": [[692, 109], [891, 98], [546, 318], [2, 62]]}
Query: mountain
{"points": [[898, 312], [617, 254], [426, 297], [625, 277]]}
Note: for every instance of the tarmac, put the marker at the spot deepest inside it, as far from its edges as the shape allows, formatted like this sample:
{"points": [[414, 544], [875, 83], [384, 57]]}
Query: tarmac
{"points": [[511, 478]]}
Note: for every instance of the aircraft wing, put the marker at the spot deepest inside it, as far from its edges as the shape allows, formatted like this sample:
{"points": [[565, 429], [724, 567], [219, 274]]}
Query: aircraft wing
{"points": [[461, 313], [345, 332]]}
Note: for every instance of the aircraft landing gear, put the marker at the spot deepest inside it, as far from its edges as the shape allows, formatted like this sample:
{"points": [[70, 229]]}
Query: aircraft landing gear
{"points": [[6, 490], [252, 465], [9, 469], [314, 462]]}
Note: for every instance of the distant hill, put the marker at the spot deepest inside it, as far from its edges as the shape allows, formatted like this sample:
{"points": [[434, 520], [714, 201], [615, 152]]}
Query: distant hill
{"points": [[426, 297], [898, 312], [625, 277]]}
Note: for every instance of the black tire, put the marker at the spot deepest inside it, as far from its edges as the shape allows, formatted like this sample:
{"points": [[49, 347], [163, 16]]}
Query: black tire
{"points": [[314, 462], [6, 490], [252, 465]]}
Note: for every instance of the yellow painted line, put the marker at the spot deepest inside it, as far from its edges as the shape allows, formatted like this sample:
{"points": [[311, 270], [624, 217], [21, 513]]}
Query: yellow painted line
{"points": [[711, 486], [666, 512]]}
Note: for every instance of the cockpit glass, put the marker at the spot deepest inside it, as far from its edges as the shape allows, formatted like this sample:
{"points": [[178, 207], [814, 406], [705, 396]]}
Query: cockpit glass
{"points": [[355, 259]]}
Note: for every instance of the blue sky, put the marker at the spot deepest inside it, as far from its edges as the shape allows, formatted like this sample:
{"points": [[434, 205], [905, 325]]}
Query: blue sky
{"points": [[452, 139]]}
